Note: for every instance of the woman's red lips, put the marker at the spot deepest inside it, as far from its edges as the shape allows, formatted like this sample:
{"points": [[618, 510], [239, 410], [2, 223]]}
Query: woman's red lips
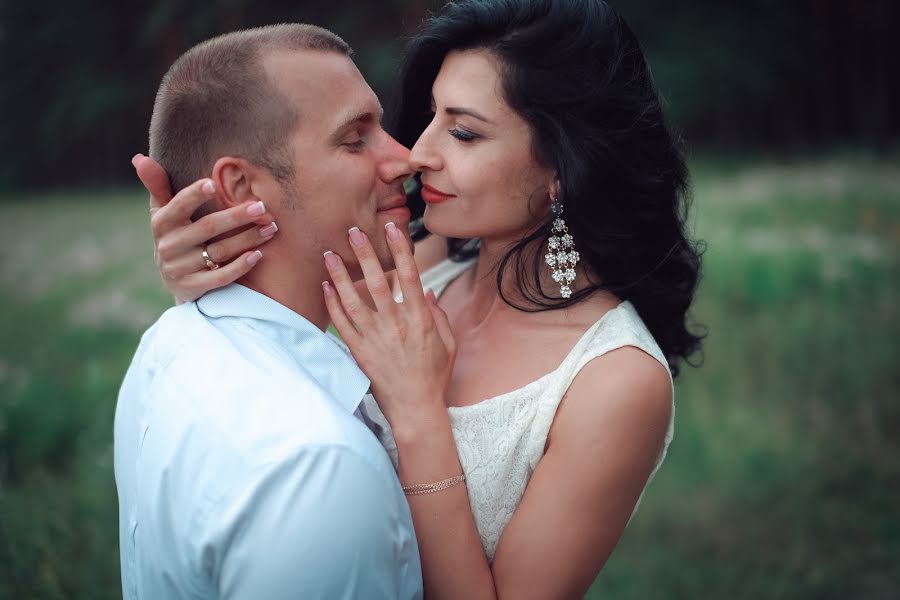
{"points": [[433, 196]]}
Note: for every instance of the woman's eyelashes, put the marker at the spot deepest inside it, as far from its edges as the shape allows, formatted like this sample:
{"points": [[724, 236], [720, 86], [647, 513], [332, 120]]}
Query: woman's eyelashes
{"points": [[463, 135], [460, 133]]}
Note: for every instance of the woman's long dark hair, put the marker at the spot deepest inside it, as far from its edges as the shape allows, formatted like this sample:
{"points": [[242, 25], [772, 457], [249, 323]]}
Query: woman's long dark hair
{"points": [[575, 72]]}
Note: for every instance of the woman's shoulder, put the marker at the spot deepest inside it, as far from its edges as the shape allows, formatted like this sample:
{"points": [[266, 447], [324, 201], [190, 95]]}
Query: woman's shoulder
{"points": [[625, 388], [621, 326], [619, 373]]}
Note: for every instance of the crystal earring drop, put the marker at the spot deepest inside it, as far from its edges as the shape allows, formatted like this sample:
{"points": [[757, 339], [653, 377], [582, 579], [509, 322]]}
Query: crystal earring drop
{"points": [[561, 254]]}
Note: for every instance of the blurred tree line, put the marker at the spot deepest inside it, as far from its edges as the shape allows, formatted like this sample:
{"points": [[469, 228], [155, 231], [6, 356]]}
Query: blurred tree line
{"points": [[78, 78]]}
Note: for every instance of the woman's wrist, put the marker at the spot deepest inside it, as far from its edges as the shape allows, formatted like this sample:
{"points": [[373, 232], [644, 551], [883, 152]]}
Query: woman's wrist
{"points": [[421, 426], [410, 409], [426, 450]]}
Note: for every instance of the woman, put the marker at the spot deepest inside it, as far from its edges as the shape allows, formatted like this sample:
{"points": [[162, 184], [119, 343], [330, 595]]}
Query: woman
{"points": [[555, 196]]}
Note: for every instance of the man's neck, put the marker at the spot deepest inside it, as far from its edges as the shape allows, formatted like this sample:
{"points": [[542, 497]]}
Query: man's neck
{"points": [[297, 286]]}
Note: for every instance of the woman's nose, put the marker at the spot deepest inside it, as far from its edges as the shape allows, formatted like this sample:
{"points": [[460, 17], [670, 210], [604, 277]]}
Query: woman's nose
{"points": [[423, 156]]}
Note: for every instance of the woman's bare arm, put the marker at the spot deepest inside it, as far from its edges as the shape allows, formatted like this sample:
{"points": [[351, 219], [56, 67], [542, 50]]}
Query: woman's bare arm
{"points": [[604, 443]]}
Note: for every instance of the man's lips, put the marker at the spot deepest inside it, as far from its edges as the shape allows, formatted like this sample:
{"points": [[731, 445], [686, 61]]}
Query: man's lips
{"points": [[396, 206], [433, 196]]}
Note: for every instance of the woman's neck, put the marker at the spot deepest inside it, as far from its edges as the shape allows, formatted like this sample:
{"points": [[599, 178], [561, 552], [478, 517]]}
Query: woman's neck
{"points": [[483, 298]]}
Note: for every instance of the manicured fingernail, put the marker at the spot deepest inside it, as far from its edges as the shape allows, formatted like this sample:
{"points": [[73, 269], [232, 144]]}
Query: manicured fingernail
{"points": [[269, 230], [393, 234], [208, 187], [254, 258], [326, 287], [330, 259], [356, 237], [256, 209], [136, 158]]}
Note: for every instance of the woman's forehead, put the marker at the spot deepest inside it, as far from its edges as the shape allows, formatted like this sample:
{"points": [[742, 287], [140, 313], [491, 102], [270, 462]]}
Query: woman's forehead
{"points": [[471, 79]]}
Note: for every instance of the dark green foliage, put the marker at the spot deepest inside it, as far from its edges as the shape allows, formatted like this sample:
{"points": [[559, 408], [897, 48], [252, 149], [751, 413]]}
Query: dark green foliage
{"points": [[764, 73], [79, 77]]}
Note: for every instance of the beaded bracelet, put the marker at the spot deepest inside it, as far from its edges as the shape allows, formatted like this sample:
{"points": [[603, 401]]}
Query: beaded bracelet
{"points": [[429, 488]]}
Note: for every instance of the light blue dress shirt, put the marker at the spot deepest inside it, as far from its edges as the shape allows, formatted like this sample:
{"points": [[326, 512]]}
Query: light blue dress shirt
{"points": [[242, 469]]}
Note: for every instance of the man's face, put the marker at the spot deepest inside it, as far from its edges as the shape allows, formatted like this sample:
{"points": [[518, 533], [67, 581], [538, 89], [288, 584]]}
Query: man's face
{"points": [[348, 172]]}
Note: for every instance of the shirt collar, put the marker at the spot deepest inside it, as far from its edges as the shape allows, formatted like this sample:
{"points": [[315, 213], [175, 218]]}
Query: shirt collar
{"points": [[326, 359]]}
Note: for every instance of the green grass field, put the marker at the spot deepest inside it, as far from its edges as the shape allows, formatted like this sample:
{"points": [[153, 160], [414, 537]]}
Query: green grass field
{"points": [[784, 477]]}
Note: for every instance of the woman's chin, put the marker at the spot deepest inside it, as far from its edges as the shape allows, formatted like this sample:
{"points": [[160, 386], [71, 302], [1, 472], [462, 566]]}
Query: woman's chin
{"points": [[440, 223]]}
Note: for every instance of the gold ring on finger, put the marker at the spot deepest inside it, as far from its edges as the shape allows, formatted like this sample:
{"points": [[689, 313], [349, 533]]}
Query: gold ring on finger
{"points": [[210, 263]]}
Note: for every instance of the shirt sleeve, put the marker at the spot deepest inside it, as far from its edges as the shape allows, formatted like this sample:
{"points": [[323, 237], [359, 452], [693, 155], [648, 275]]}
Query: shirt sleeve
{"points": [[326, 524]]}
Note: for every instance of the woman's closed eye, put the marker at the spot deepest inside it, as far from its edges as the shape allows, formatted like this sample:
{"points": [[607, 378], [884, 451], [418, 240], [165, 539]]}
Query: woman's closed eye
{"points": [[463, 135]]}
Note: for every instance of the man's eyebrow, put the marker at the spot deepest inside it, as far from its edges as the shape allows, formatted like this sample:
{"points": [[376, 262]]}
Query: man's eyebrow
{"points": [[363, 117], [454, 110]]}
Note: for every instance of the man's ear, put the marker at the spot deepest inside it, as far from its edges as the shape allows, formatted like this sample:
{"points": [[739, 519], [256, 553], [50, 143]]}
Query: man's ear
{"points": [[232, 177]]}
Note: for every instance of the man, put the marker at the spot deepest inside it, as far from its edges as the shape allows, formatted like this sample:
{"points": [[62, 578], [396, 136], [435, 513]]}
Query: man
{"points": [[241, 468]]}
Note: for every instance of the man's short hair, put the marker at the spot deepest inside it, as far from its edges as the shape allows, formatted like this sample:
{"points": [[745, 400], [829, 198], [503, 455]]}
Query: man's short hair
{"points": [[217, 100]]}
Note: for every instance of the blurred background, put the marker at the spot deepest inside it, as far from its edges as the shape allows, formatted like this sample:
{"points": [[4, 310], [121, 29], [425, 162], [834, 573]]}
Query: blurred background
{"points": [[784, 477]]}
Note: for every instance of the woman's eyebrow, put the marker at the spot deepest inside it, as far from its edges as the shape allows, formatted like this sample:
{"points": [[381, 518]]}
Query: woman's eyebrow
{"points": [[466, 111], [453, 110]]}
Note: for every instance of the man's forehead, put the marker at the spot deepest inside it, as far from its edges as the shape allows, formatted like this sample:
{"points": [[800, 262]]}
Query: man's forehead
{"points": [[326, 86]]}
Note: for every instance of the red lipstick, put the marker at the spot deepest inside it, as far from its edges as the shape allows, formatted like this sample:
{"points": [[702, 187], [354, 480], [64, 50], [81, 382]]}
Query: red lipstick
{"points": [[434, 196]]}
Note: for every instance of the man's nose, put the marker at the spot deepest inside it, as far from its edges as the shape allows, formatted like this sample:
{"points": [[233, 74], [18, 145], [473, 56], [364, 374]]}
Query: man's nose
{"points": [[395, 163]]}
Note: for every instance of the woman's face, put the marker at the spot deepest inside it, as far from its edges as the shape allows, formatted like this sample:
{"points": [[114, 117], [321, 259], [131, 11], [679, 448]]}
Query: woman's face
{"points": [[478, 173]]}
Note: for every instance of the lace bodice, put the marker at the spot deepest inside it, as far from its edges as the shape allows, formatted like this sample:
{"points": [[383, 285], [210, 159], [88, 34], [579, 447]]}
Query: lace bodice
{"points": [[500, 440]]}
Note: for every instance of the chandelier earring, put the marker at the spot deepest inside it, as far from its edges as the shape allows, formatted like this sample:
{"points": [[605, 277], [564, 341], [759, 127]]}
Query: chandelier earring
{"points": [[561, 254]]}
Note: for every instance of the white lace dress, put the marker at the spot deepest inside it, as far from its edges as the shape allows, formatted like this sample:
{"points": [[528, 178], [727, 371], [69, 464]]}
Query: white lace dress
{"points": [[500, 440]]}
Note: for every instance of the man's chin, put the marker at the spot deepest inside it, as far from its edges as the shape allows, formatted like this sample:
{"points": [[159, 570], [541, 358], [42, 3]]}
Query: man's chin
{"points": [[386, 260]]}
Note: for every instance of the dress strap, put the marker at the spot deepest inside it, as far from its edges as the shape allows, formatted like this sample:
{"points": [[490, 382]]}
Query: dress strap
{"points": [[618, 328]]}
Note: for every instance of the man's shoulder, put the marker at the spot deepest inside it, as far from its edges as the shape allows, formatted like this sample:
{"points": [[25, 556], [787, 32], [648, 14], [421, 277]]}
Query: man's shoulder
{"points": [[216, 395], [180, 327], [176, 327], [254, 402]]}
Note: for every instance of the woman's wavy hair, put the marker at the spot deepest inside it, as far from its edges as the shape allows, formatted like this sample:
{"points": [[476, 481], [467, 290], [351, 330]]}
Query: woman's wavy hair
{"points": [[575, 72]]}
